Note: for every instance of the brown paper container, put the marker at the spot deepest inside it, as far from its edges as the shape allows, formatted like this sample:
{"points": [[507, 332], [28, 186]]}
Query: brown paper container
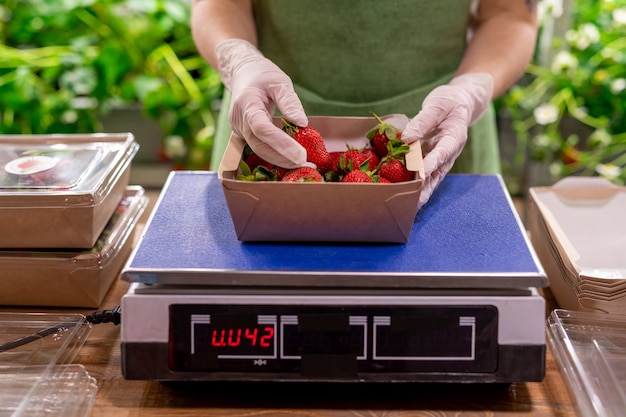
{"points": [[72, 278], [331, 212], [578, 229]]}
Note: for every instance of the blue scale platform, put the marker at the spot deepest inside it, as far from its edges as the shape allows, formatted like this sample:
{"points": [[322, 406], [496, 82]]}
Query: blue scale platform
{"points": [[467, 236]]}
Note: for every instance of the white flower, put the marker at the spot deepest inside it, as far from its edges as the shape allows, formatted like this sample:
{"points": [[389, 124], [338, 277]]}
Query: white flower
{"points": [[546, 114], [553, 8], [600, 138], [175, 147], [84, 102], [591, 32], [619, 16], [205, 133], [555, 169], [69, 117], [618, 85], [541, 141], [611, 54], [564, 61], [571, 36], [609, 171], [583, 37], [82, 81]]}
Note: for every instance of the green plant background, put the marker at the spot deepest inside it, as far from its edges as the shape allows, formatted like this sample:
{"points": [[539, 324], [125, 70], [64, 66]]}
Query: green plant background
{"points": [[568, 115], [65, 63]]}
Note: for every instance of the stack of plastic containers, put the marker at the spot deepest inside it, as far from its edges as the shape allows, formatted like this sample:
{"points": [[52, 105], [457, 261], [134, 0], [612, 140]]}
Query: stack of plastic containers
{"points": [[37, 377], [67, 216]]}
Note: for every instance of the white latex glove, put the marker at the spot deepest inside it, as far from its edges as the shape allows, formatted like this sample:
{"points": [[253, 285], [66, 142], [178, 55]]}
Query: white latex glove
{"points": [[441, 125], [257, 86]]}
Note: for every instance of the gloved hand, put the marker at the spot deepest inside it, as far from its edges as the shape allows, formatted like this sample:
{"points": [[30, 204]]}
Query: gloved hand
{"points": [[442, 124], [257, 86]]}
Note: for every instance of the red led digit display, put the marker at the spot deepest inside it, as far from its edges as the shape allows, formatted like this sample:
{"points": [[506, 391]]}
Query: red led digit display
{"points": [[235, 341], [235, 337]]}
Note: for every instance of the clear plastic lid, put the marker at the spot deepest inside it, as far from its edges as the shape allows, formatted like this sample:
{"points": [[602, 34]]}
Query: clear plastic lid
{"points": [[61, 165], [36, 374], [590, 349], [40, 339], [35, 391]]}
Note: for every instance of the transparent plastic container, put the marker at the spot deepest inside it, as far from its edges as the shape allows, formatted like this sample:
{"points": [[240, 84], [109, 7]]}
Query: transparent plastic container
{"points": [[59, 191], [590, 349], [37, 377]]}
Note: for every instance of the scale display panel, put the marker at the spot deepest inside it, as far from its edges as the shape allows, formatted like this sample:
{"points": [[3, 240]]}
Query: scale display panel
{"points": [[343, 339], [333, 334]]}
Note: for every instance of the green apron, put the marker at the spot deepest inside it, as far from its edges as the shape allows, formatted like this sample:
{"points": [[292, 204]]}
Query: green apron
{"points": [[349, 58]]}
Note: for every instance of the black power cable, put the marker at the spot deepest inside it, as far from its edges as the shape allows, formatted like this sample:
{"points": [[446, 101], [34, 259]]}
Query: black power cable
{"points": [[113, 315]]}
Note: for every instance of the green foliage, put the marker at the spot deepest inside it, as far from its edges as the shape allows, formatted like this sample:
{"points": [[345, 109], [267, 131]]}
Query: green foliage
{"points": [[570, 113], [63, 63]]}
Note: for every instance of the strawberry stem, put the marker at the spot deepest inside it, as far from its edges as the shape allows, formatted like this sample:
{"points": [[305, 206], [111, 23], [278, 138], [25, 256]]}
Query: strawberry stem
{"points": [[378, 119]]}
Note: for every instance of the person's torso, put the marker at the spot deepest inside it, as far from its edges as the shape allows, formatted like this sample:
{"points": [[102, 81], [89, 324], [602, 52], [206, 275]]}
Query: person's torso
{"points": [[366, 50]]}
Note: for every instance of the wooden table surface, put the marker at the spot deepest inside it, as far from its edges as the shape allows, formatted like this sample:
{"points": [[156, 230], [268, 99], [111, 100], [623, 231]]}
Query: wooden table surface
{"points": [[120, 397]]}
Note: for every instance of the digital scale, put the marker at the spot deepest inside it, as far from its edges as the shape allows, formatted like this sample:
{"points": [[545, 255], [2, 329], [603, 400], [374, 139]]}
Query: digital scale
{"points": [[456, 303]]}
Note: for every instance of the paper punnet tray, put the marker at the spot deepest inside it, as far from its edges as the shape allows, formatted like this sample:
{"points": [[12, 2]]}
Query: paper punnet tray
{"points": [[578, 229], [333, 212], [59, 191], [72, 277]]}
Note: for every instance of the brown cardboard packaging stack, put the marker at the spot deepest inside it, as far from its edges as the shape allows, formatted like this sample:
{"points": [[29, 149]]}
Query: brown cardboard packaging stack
{"points": [[332, 212], [578, 229], [66, 215]]}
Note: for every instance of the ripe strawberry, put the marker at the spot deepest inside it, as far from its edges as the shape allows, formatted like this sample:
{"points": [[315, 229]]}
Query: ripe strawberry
{"points": [[394, 170], [334, 159], [355, 158], [303, 174], [381, 135], [279, 172], [312, 141], [352, 159], [253, 160], [333, 174], [393, 166], [373, 158], [357, 176]]}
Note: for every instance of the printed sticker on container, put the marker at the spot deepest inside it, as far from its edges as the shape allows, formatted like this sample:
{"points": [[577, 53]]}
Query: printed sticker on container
{"points": [[60, 169], [28, 165]]}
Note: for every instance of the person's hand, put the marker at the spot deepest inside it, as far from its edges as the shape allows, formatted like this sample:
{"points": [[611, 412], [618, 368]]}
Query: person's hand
{"points": [[257, 86], [441, 125]]}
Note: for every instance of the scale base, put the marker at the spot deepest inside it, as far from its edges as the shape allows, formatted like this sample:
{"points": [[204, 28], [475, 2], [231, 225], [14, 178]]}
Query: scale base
{"points": [[477, 336], [148, 361]]}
